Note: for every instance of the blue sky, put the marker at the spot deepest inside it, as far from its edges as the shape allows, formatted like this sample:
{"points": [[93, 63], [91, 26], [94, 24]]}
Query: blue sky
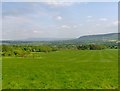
{"points": [[58, 20]]}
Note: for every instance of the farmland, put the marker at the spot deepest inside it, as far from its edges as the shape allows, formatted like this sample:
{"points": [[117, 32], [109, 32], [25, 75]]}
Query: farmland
{"points": [[69, 69]]}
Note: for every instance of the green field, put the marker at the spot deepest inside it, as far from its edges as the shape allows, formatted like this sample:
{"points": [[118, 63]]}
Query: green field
{"points": [[83, 69]]}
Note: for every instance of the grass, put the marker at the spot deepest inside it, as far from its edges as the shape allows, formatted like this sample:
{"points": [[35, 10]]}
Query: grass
{"points": [[0, 73], [72, 69]]}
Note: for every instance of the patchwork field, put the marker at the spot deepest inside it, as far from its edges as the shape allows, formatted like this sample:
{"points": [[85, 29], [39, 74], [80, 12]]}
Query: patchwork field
{"points": [[83, 69]]}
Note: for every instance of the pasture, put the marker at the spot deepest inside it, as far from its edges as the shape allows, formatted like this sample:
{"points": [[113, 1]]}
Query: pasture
{"points": [[69, 69]]}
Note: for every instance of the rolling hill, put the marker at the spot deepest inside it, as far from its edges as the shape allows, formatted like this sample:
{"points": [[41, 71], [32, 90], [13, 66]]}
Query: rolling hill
{"points": [[100, 37], [97, 39], [110, 38]]}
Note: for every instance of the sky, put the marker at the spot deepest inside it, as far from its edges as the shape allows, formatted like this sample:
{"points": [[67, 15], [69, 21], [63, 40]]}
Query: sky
{"points": [[23, 20]]}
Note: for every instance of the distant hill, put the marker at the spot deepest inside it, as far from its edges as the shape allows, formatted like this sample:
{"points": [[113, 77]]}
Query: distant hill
{"points": [[100, 37], [109, 39], [45, 39]]}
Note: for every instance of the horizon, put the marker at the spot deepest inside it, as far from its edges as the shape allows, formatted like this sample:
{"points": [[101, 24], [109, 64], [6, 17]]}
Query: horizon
{"points": [[23, 20], [52, 38]]}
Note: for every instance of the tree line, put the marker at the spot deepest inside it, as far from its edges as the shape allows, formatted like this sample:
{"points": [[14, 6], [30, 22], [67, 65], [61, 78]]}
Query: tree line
{"points": [[22, 50], [26, 50]]}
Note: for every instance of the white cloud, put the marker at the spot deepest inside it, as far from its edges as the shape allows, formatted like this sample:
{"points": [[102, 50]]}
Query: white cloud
{"points": [[89, 16], [97, 24], [59, 2], [115, 23], [103, 19], [59, 18], [65, 26], [16, 20], [35, 31]]}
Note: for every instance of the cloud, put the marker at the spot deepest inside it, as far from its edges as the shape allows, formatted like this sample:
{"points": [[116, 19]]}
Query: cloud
{"points": [[115, 23], [19, 25], [59, 17], [16, 19], [89, 16], [75, 26], [65, 26], [59, 3], [103, 19], [97, 24], [35, 31]]}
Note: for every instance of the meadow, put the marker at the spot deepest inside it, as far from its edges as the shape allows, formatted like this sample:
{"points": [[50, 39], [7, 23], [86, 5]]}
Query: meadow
{"points": [[69, 69]]}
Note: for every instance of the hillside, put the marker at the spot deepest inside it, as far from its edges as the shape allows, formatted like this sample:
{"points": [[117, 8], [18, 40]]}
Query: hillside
{"points": [[100, 38], [109, 39], [103, 37]]}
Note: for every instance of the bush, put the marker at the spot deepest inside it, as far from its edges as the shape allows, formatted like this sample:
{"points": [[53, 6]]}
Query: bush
{"points": [[91, 47]]}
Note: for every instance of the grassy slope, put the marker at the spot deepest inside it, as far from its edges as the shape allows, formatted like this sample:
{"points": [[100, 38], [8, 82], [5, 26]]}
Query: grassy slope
{"points": [[0, 73], [63, 69]]}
